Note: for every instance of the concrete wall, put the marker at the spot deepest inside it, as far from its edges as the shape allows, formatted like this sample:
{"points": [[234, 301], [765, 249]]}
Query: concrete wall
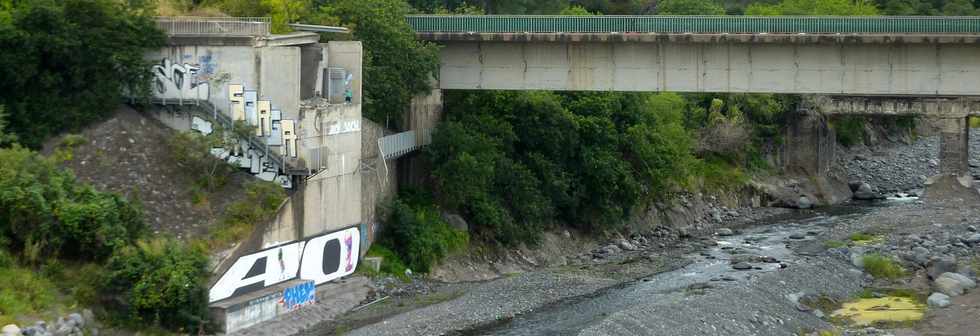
{"points": [[348, 55], [201, 72], [279, 79], [331, 137], [379, 179], [818, 68]]}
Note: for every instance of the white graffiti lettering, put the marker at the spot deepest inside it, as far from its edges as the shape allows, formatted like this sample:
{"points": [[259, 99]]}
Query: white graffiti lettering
{"points": [[320, 259], [176, 81]]}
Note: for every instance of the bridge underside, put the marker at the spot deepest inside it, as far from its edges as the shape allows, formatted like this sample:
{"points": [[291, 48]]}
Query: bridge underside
{"points": [[795, 66]]}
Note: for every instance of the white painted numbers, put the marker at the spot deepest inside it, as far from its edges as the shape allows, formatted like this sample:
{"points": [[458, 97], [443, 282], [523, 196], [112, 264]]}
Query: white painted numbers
{"points": [[320, 259]]}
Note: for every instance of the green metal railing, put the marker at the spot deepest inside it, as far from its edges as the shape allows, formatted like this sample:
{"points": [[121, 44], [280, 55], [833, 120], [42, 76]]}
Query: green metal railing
{"points": [[694, 24]]}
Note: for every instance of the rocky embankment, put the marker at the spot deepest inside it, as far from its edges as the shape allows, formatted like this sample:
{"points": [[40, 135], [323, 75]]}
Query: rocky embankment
{"points": [[892, 167]]}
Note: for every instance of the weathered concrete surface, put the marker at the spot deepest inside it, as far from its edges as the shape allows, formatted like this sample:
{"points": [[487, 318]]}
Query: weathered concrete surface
{"points": [[332, 299], [926, 68], [801, 38], [946, 107]]}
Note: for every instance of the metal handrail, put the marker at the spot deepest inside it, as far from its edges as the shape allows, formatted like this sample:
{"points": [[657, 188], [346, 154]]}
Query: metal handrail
{"points": [[213, 114], [693, 24], [201, 25]]}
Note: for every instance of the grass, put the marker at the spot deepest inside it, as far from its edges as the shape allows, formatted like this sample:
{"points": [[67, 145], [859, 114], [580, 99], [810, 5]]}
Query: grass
{"points": [[861, 236], [28, 294], [260, 204], [882, 267], [974, 122], [391, 264], [834, 243]]}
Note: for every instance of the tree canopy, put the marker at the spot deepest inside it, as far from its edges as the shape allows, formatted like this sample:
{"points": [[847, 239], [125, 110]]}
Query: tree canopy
{"points": [[67, 63]]}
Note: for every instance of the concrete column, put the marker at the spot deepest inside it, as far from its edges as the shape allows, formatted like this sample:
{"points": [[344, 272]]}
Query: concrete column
{"points": [[954, 148], [954, 184], [810, 143], [423, 116]]}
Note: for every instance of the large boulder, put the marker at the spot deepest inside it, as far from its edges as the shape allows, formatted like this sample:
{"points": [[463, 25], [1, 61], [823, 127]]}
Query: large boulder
{"points": [[940, 266], [938, 300], [954, 284], [10, 330], [865, 192]]}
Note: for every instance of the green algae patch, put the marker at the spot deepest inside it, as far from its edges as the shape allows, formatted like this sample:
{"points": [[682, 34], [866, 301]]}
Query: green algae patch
{"points": [[885, 310]]}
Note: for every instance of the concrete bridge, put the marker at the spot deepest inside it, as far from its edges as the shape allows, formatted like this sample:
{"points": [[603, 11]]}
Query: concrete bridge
{"points": [[926, 66]]}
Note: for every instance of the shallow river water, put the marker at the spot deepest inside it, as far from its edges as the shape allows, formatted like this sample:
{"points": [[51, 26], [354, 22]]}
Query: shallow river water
{"points": [[710, 267]]}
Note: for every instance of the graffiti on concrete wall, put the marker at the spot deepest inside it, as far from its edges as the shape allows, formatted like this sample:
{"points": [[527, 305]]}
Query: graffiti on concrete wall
{"points": [[179, 81], [254, 311], [318, 259], [298, 296]]}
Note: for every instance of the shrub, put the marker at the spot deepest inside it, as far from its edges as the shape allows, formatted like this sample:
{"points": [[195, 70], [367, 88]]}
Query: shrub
{"points": [[419, 235], [391, 263], [45, 212], [861, 236], [161, 282], [259, 205], [849, 130], [22, 291], [192, 152], [882, 267]]}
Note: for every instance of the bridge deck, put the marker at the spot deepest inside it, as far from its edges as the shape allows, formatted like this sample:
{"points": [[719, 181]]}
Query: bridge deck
{"points": [[694, 24]]}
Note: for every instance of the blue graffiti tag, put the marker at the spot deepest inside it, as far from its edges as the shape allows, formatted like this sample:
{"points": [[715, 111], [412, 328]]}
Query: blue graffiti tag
{"points": [[299, 295]]}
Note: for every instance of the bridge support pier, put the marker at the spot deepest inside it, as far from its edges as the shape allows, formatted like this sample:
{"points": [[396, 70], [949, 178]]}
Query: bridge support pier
{"points": [[954, 182], [423, 115]]}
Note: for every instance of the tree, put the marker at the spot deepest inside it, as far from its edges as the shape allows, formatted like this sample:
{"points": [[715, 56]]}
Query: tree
{"points": [[6, 138], [396, 65], [689, 7], [67, 63], [814, 7]]}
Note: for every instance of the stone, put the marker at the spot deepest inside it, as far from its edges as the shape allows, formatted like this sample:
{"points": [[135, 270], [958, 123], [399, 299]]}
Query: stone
{"points": [[938, 300], [920, 255], [972, 239], [797, 236], [804, 203], [456, 221], [725, 232], [742, 266], [971, 228], [373, 263], [625, 245], [865, 192], [77, 320], [938, 266], [565, 234], [10, 330], [953, 284], [857, 259]]}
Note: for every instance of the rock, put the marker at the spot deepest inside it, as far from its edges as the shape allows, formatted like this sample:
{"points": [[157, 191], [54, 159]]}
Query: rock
{"points": [[742, 266], [804, 203], [938, 266], [938, 300], [971, 228], [625, 245], [725, 232], [10, 330], [77, 320], [456, 221], [953, 284], [797, 236], [865, 192], [920, 255], [972, 239], [565, 234], [857, 259], [373, 263]]}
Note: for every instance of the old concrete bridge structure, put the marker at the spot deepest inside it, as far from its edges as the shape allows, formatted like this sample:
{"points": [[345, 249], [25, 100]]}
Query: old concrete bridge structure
{"points": [[925, 66]]}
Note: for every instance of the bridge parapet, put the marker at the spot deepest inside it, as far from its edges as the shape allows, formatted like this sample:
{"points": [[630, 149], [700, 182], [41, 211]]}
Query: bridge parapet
{"points": [[918, 106], [214, 26], [695, 24]]}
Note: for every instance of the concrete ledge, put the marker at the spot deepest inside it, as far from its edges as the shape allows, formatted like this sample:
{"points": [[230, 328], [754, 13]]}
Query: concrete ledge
{"points": [[210, 40], [932, 107], [801, 38]]}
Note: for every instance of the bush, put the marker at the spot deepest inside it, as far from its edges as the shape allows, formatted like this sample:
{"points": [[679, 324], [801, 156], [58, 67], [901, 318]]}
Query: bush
{"points": [[161, 282], [849, 130], [419, 235], [391, 263], [259, 205], [22, 291], [100, 46], [882, 267], [192, 152], [45, 212]]}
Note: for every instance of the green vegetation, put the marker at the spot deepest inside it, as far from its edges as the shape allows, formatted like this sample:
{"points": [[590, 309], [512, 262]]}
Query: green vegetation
{"points": [[67, 63], [882, 267], [515, 161], [391, 263], [814, 7], [191, 150], [834, 244], [161, 282], [861, 236], [418, 234], [47, 217], [849, 130], [261, 201]]}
